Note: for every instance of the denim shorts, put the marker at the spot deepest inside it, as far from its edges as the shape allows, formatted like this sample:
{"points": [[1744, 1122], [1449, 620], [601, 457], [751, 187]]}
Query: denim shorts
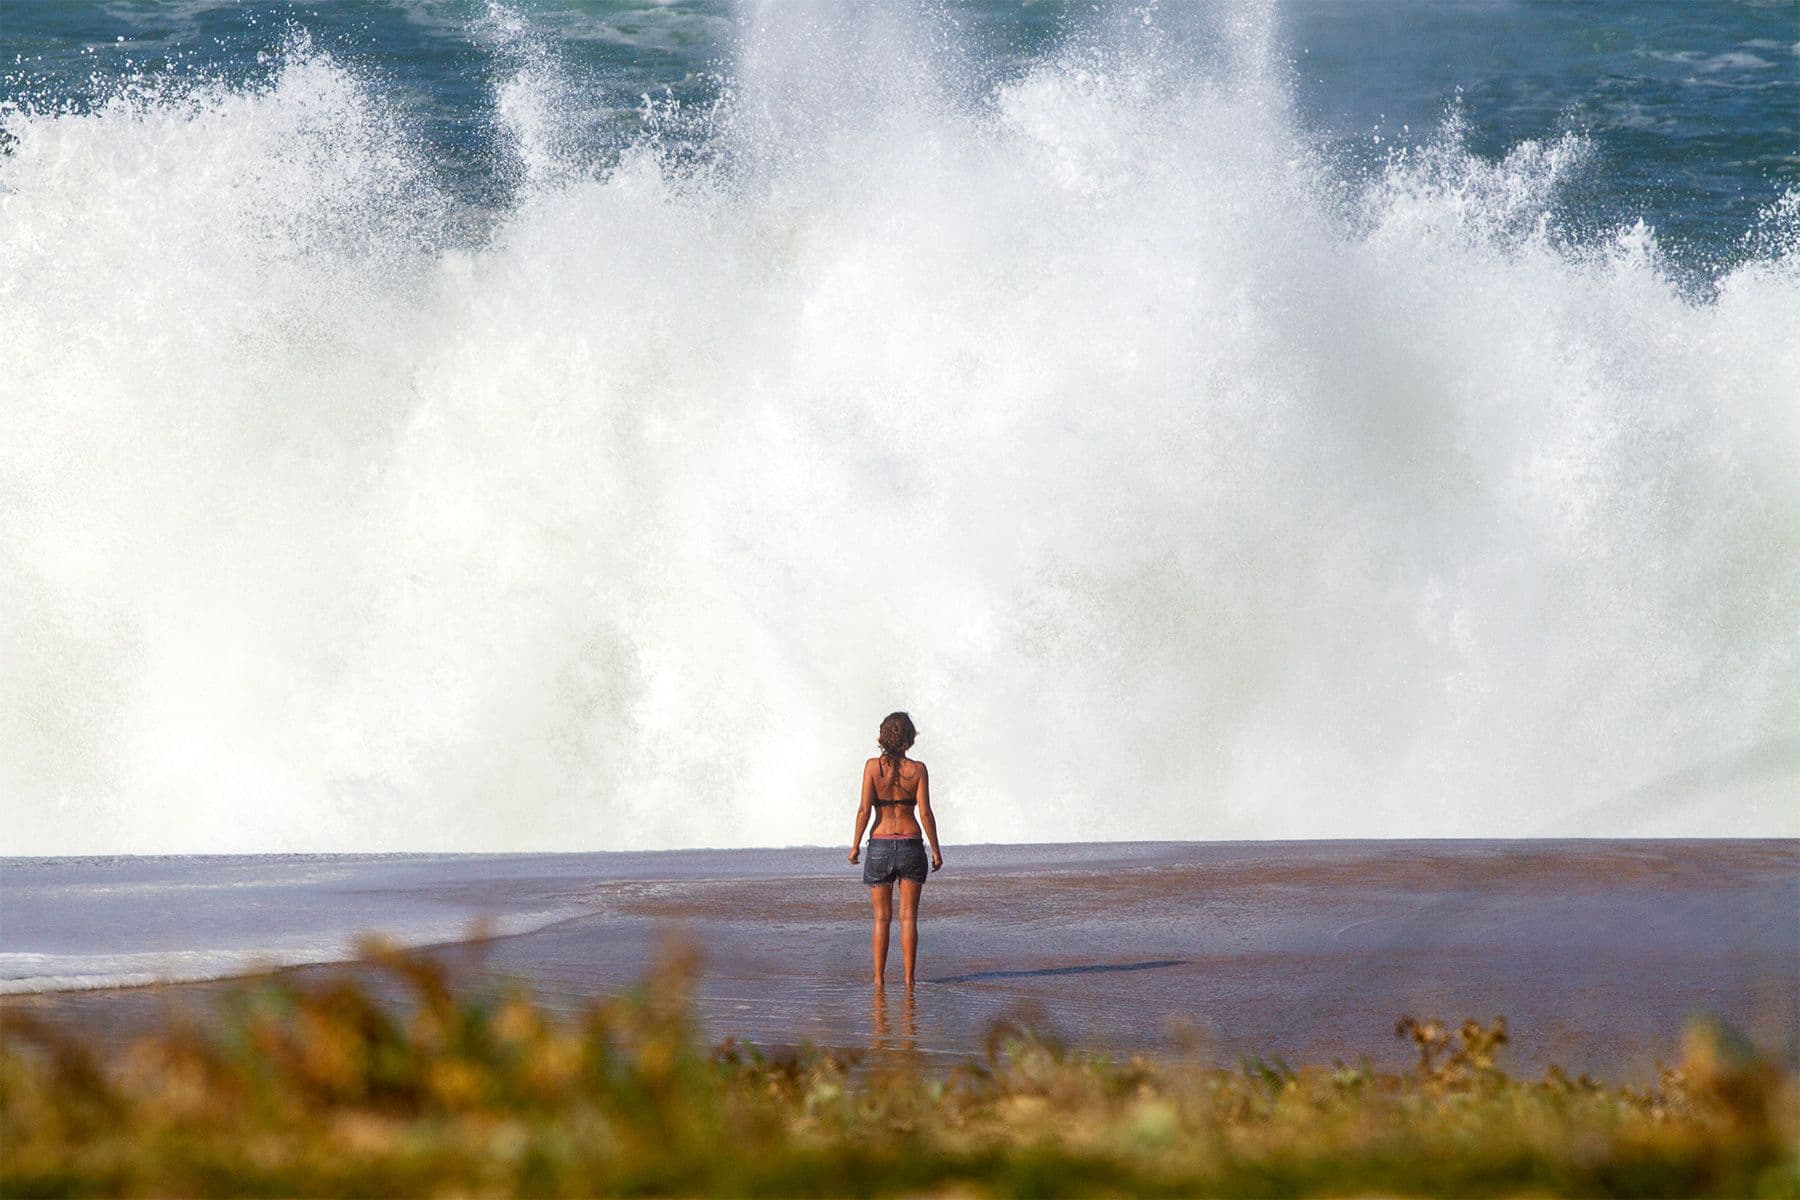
{"points": [[888, 859]]}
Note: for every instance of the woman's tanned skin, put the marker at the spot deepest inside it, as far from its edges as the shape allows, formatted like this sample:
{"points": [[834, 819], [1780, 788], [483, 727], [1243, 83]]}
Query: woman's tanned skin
{"points": [[914, 783]]}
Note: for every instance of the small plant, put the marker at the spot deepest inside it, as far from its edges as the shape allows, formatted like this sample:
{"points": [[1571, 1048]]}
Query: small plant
{"points": [[1467, 1061]]}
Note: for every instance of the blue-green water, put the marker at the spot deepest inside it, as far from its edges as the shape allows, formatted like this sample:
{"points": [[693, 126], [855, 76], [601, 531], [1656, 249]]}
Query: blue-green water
{"points": [[548, 426], [1691, 110]]}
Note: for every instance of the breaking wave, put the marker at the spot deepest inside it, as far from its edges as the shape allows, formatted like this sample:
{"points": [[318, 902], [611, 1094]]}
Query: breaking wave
{"points": [[1181, 484]]}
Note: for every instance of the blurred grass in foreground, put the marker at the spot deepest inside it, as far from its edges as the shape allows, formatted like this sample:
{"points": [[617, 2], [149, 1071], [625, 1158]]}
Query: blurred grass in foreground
{"points": [[324, 1090]]}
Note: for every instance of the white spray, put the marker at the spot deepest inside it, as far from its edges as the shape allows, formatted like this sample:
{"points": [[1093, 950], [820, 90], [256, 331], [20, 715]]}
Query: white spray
{"points": [[1176, 488]]}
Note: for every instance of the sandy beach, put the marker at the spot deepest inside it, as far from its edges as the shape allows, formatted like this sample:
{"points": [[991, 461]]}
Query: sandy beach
{"points": [[1596, 952]]}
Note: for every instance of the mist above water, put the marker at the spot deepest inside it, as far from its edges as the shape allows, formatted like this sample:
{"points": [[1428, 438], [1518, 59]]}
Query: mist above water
{"points": [[1179, 485]]}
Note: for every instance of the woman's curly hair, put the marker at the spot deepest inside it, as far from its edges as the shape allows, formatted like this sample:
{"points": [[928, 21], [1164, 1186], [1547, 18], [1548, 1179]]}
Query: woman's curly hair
{"points": [[895, 739]]}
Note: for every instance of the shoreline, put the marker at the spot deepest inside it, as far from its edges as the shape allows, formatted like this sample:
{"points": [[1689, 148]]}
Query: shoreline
{"points": [[1091, 843], [1597, 952]]}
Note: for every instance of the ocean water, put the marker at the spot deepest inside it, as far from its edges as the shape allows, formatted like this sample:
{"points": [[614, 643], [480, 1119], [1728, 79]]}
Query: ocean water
{"points": [[127, 921], [432, 425]]}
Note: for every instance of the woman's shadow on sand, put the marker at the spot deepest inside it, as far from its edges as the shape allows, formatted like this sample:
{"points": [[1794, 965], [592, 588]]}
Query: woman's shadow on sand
{"points": [[1084, 969]]}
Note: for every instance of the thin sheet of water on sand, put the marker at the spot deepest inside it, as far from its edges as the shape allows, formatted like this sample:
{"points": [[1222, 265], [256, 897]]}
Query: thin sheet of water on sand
{"points": [[1597, 952]]}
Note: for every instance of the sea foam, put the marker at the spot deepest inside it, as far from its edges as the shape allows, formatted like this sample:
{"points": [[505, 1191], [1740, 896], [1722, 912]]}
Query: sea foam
{"points": [[1181, 484]]}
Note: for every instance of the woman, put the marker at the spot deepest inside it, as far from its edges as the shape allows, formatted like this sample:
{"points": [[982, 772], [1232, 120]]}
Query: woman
{"points": [[893, 785]]}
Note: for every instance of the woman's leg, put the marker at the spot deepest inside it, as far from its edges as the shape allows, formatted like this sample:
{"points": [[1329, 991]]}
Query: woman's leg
{"points": [[883, 897], [909, 925]]}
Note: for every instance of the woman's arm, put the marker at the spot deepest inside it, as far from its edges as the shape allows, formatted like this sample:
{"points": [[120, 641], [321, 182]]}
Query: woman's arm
{"points": [[926, 819], [863, 808]]}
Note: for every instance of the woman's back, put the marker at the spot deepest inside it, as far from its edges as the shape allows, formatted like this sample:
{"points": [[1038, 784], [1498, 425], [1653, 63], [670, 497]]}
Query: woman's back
{"points": [[896, 796]]}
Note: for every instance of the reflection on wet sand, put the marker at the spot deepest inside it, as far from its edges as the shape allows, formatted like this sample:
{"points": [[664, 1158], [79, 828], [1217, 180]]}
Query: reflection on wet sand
{"points": [[881, 1033]]}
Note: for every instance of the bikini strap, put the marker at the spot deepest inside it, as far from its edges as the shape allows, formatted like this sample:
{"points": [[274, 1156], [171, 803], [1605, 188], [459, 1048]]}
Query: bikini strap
{"points": [[879, 801]]}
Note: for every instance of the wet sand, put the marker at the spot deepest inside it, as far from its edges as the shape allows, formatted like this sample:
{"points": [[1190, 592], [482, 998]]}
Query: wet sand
{"points": [[1596, 952]]}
